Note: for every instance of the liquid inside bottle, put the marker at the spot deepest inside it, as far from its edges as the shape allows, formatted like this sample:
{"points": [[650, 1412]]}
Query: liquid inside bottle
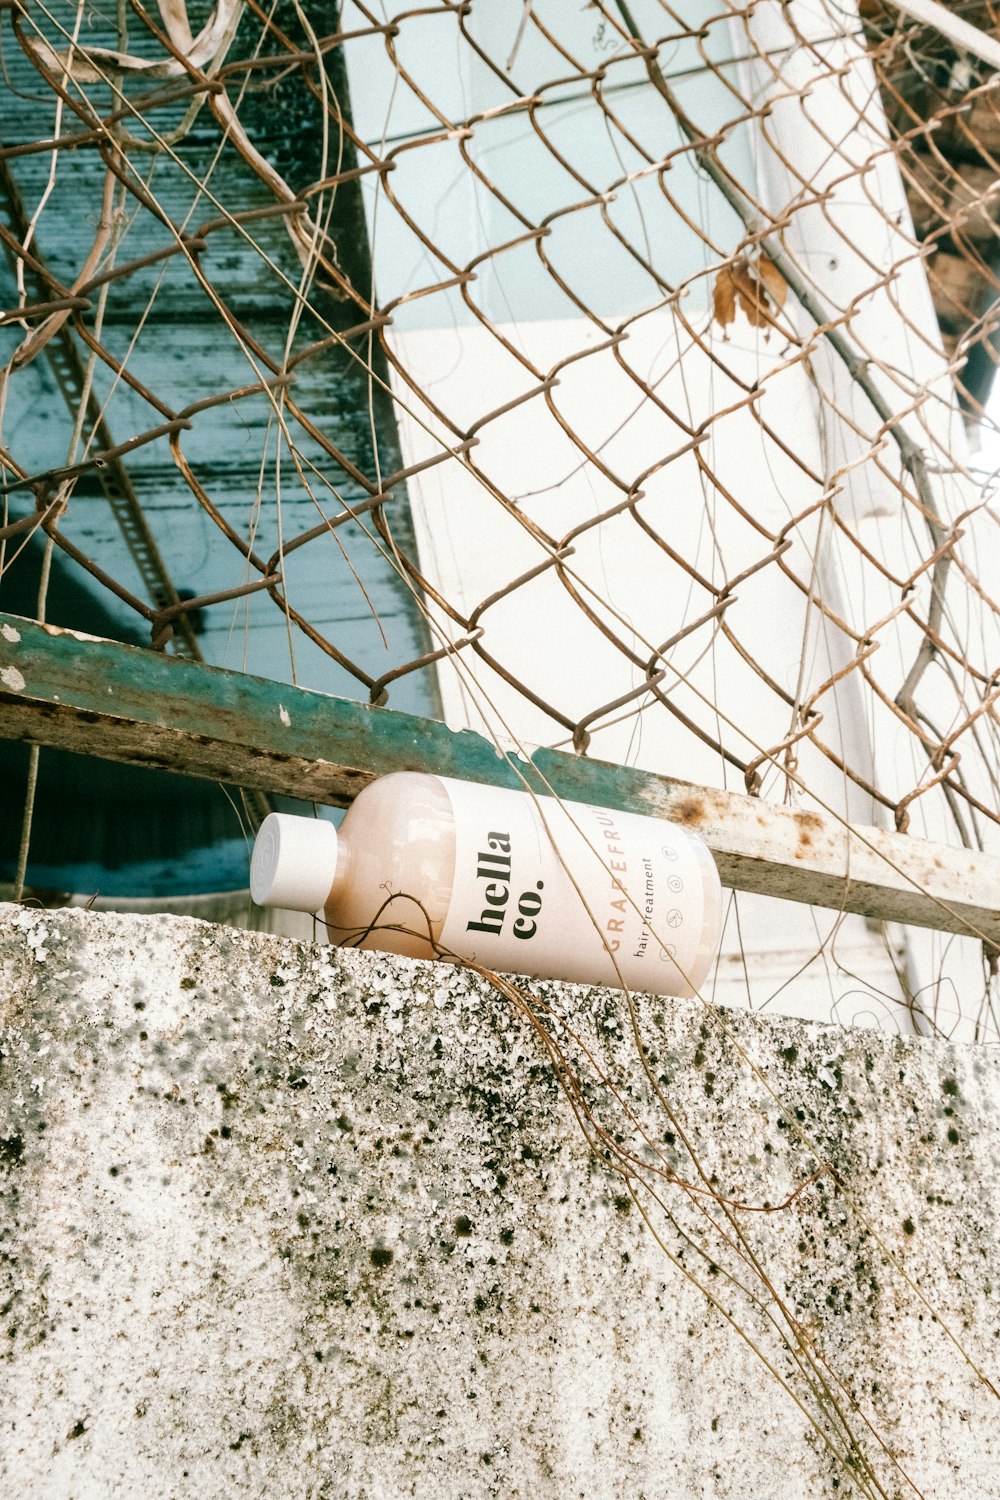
{"points": [[395, 867]]}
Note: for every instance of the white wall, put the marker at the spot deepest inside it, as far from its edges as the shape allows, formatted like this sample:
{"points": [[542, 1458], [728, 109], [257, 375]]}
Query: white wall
{"points": [[739, 437]]}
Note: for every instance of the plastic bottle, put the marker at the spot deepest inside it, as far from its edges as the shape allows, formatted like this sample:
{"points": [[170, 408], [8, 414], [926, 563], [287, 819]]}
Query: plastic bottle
{"points": [[430, 867]]}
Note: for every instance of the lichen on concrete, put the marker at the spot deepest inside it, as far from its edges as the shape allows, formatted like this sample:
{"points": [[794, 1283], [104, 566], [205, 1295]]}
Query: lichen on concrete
{"points": [[284, 1220]]}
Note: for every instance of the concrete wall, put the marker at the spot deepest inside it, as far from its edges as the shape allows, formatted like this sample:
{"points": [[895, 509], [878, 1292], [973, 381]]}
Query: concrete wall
{"points": [[283, 1221]]}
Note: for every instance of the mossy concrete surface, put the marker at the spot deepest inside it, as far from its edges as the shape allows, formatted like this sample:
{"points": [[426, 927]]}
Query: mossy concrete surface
{"points": [[284, 1221]]}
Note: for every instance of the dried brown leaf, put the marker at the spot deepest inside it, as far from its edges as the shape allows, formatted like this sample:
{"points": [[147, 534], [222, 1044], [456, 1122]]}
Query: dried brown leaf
{"points": [[724, 298], [773, 280], [752, 297]]}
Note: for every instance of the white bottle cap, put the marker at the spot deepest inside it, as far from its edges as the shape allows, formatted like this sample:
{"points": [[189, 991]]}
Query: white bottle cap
{"points": [[294, 862]]}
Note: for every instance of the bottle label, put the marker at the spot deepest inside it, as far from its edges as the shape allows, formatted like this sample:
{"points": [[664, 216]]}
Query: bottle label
{"points": [[559, 888]]}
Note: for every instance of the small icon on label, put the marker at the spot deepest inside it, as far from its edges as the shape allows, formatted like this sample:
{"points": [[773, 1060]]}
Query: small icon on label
{"points": [[668, 853], [674, 918], [668, 953], [674, 883]]}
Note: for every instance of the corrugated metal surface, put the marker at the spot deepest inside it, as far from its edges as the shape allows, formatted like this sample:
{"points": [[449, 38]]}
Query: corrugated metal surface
{"points": [[161, 322]]}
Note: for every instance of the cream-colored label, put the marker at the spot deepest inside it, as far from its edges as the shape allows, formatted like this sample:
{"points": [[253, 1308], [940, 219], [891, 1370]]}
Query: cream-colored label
{"points": [[574, 892]]}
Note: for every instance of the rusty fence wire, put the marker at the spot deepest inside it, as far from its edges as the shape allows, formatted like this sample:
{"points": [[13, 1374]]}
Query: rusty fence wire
{"points": [[616, 375]]}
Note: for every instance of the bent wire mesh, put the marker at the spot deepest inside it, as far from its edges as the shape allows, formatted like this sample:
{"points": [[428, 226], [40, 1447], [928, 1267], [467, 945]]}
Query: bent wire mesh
{"points": [[610, 377]]}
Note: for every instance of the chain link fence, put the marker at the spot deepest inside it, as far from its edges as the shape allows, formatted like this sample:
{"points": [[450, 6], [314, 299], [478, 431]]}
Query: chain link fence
{"points": [[613, 376]]}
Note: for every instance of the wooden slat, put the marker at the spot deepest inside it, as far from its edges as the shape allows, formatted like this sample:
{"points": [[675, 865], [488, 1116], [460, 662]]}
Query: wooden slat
{"points": [[122, 703]]}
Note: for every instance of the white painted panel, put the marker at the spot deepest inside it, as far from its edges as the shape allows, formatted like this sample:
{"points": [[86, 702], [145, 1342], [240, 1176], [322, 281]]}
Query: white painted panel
{"points": [[584, 441]]}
